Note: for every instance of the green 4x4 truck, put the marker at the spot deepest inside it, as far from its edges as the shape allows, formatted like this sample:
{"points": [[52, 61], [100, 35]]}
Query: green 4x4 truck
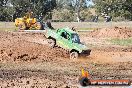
{"points": [[69, 40]]}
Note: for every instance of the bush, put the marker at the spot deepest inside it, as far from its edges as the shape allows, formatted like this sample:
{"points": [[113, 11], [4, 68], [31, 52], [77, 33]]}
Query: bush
{"points": [[86, 15], [63, 15], [6, 14]]}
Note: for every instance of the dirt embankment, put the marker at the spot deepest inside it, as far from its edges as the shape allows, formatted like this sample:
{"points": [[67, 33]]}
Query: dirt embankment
{"points": [[26, 47], [112, 33]]}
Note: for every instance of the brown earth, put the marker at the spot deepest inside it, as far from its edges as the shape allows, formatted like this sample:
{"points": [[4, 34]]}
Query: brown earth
{"points": [[27, 61], [18, 46], [112, 33]]}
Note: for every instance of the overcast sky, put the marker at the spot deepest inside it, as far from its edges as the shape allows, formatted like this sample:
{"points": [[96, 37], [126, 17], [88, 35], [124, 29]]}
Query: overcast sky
{"points": [[89, 2]]}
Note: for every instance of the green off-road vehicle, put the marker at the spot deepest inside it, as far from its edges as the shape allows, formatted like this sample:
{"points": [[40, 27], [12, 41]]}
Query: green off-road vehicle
{"points": [[67, 39]]}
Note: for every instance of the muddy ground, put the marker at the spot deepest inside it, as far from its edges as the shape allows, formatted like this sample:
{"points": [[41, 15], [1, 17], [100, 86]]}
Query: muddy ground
{"points": [[26, 61]]}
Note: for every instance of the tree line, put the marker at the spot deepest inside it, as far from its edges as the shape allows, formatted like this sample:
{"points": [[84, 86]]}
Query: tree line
{"points": [[67, 10]]}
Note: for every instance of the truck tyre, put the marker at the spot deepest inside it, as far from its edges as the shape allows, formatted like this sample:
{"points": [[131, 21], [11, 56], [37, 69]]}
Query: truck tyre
{"points": [[84, 82], [74, 55], [51, 43]]}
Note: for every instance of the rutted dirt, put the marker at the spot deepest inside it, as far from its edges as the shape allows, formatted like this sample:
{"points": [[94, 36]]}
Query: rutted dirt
{"points": [[23, 46], [27, 61]]}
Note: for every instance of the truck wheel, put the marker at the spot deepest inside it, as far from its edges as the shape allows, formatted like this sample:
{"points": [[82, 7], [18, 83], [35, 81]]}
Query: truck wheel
{"points": [[74, 55], [51, 43]]}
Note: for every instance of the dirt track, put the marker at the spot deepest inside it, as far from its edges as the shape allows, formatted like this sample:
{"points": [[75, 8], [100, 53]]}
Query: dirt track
{"points": [[28, 61]]}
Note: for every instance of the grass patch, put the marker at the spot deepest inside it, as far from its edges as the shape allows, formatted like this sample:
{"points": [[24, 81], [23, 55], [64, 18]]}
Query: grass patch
{"points": [[7, 26], [123, 42], [8, 29]]}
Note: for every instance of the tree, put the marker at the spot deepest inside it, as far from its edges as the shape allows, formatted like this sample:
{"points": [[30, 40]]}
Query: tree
{"points": [[115, 8], [64, 15], [62, 4], [6, 11], [76, 9], [76, 6], [39, 7]]}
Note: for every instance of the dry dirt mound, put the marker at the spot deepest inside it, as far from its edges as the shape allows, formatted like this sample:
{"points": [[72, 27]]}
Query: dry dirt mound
{"points": [[16, 46], [112, 33]]}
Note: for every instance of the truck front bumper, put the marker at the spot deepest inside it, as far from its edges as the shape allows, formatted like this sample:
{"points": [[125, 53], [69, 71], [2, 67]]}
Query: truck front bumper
{"points": [[86, 52]]}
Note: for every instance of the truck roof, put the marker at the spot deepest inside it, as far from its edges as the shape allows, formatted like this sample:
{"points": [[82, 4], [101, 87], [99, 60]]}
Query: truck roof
{"points": [[67, 30]]}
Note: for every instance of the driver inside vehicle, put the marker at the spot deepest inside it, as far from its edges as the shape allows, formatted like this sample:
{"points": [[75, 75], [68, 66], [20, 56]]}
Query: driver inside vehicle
{"points": [[75, 38], [65, 35]]}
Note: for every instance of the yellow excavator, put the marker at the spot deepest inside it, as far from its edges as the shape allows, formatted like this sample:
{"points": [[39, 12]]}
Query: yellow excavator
{"points": [[28, 22]]}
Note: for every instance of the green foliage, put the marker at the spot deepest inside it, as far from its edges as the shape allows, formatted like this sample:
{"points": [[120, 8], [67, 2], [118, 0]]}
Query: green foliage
{"points": [[39, 7], [65, 10], [63, 15], [20, 7], [62, 4], [85, 15], [5, 11], [66, 15], [115, 8]]}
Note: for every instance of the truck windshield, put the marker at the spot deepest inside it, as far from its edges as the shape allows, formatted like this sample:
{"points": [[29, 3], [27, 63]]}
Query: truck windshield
{"points": [[75, 38]]}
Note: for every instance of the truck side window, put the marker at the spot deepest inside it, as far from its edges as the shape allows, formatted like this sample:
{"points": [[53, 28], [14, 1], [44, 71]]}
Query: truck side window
{"points": [[68, 36], [64, 34]]}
